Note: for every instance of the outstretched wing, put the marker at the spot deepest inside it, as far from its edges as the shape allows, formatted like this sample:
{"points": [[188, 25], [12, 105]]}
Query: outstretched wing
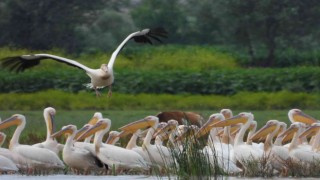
{"points": [[21, 63], [155, 33]]}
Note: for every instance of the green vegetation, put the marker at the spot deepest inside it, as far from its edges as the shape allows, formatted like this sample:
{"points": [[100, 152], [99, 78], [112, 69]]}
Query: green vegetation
{"points": [[160, 102]]}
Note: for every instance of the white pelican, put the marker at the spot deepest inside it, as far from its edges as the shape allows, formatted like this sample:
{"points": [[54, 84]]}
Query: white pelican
{"points": [[220, 153], [276, 155], [77, 158], [300, 153], [35, 157], [6, 165], [243, 152], [110, 154], [133, 140], [113, 137], [18, 160], [152, 154], [226, 137], [50, 143], [314, 129], [296, 115], [101, 77]]}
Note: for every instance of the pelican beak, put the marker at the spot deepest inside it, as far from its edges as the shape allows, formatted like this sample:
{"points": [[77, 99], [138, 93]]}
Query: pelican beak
{"points": [[98, 126], [13, 120], [263, 132], [111, 139], [123, 134], [66, 130], [164, 130], [310, 131], [304, 118], [288, 134], [231, 121], [51, 123], [205, 129], [93, 120], [132, 127], [81, 131]]}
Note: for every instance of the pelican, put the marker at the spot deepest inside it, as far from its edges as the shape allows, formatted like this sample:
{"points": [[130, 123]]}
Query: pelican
{"points": [[276, 155], [35, 157], [243, 152], [133, 140], [313, 129], [18, 160], [152, 154], [110, 154], [77, 158], [6, 163], [300, 153], [113, 137], [296, 115], [102, 77], [219, 153], [50, 143]]}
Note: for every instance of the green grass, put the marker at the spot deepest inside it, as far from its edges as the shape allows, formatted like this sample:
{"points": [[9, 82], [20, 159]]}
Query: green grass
{"points": [[35, 130]]}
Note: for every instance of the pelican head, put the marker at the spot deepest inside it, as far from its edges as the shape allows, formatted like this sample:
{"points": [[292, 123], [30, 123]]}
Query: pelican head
{"points": [[16, 119], [49, 114], [213, 119], [240, 118], [113, 137], [149, 121], [227, 113], [95, 118], [104, 67], [296, 115], [270, 126], [68, 130], [289, 133], [102, 125], [313, 129]]}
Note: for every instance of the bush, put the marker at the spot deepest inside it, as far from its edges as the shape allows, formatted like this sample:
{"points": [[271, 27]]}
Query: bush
{"points": [[221, 82], [161, 102]]}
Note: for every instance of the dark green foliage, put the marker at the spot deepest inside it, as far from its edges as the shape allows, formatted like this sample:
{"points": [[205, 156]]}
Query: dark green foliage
{"points": [[222, 82]]}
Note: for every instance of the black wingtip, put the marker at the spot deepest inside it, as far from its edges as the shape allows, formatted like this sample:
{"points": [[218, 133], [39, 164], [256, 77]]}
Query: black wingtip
{"points": [[17, 63], [154, 33]]}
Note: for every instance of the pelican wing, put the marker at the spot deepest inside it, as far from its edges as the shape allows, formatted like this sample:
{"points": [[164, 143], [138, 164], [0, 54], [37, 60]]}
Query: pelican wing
{"points": [[155, 34], [21, 63], [38, 154]]}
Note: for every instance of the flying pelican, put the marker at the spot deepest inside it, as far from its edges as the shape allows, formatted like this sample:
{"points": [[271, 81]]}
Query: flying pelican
{"points": [[110, 154], [243, 152], [152, 154], [102, 77], [77, 158], [50, 143], [35, 157]]}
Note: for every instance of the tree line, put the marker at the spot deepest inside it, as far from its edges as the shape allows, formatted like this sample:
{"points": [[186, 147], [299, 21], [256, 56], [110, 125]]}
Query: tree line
{"points": [[260, 33]]}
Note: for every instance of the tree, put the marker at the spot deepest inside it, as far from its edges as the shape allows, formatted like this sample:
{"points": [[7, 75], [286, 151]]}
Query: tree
{"points": [[46, 24]]}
